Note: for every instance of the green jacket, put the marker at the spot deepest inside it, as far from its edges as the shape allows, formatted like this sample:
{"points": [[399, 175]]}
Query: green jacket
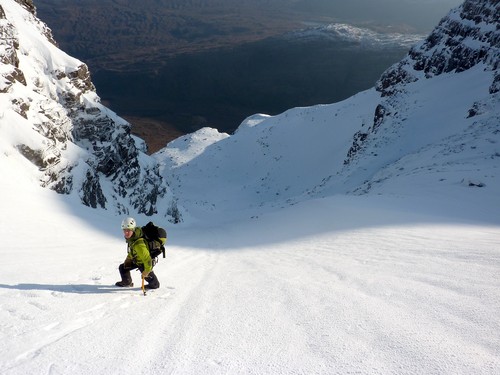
{"points": [[138, 251]]}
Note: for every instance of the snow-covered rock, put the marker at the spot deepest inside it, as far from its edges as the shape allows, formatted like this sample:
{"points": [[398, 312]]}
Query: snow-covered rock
{"points": [[51, 114], [444, 94]]}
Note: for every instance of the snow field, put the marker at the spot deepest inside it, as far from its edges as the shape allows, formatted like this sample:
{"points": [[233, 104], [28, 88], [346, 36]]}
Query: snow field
{"points": [[330, 286]]}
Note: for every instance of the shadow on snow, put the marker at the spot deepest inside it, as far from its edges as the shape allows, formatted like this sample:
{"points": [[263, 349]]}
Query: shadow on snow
{"points": [[70, 288]]}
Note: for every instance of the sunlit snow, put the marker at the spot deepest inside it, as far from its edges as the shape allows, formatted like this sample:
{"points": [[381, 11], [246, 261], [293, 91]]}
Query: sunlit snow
{"points": [[288, 261]]}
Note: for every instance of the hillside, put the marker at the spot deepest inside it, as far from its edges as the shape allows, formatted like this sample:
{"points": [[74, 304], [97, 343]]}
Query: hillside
{"points": [[374, 284], [432, 116], [355, 237]]}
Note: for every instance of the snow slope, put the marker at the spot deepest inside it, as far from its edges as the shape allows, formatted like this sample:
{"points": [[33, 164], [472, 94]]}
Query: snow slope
{"points": [[368, 284], [275, 161], [400, 280], [293, 258]]}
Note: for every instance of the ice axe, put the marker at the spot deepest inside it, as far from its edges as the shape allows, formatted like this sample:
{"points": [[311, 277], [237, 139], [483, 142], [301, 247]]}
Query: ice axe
{"points": [[142, 286]]}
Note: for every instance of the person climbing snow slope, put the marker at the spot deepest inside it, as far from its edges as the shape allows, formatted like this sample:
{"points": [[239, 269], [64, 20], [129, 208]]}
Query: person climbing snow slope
{"points": [[138, 256]]}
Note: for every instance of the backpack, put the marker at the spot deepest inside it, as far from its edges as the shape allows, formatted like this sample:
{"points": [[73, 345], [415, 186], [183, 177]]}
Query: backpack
{"points": [[155, 238]]}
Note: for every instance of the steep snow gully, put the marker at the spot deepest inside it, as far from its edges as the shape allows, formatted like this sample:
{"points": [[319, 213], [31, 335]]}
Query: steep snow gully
{"points": [[357, 237]]}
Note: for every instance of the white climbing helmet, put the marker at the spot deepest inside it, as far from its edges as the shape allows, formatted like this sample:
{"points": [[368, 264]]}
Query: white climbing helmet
{"points": [[129, 223]]}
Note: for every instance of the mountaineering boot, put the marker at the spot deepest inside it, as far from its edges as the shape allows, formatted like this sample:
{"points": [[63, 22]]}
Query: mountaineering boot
{"points": [[126, 278], [152, 280], [124, 284]]}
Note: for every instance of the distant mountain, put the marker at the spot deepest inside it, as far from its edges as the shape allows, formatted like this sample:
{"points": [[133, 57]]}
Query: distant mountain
{"points": [[52, 117]]}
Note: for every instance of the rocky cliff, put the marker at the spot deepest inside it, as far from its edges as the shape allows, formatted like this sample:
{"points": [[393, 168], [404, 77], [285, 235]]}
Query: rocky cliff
{"points": [[56, 121]]}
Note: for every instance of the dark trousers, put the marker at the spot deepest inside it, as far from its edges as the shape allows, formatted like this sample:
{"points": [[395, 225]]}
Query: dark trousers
{"points": [[127, 266]]}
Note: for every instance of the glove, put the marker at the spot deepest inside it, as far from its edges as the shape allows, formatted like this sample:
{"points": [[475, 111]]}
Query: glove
{"points": [[145, 274]]}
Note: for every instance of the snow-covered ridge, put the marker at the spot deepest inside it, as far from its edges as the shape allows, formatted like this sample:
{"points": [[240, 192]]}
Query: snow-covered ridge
{"points": [[437, 131], [464, 48], [363, 37], [51, 119]]}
